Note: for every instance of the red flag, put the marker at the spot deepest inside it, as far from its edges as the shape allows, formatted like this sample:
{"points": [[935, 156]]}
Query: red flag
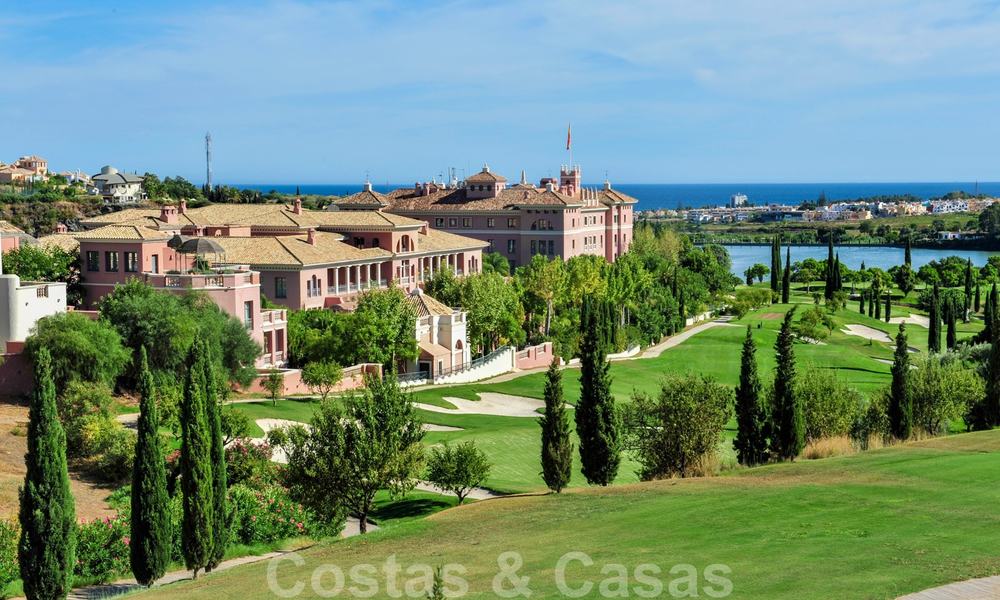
{"points": [[569, 136]]}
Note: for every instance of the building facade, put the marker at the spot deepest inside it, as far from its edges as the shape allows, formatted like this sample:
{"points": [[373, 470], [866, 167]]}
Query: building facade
{"points": [[556, 218], [441, 337], [118, 189]]}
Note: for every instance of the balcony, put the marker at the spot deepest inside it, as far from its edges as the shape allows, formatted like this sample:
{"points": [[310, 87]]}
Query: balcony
{"points": [[270, 318], [350, 288], [216, 279]]}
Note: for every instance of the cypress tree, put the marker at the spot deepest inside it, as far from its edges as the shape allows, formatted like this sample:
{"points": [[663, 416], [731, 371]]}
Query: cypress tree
{"points": [[968, 290], [900, 404], [985, 414], [597, 420], [557, 449], [220, 505], [788, 422], [775, 266], [786, 278], [877, 301], [977, 302], [151, 537], [934, 328], [888, 305], [830, 280], [907, 258], [872, 301], [861, 303], [47, 547], [951, 337], [838, 283], [751, 416], [681, 311], [196, 465]]}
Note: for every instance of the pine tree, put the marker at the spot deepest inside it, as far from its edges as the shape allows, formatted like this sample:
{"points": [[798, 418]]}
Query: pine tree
{"points": [[196, 465], [220, 505], [907, 258], [788, 421], [888, 305], [557, 448], [751, 417], [900, 404], [786, 278], [934, 327], [597, 420], [151, 537], [47, 547]]}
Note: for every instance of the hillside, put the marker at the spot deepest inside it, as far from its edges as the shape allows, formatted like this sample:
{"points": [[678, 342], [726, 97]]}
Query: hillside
{"points": [[871, 525]]}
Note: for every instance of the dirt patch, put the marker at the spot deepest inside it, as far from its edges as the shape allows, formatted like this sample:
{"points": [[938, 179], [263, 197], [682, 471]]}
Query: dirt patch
{"points": [[770, 316], [90, 496]]}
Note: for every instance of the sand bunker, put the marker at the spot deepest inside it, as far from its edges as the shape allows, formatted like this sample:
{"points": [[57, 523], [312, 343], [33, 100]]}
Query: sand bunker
{"points": [[868, 333], [435, 427], [490, 403], [912, 319]]}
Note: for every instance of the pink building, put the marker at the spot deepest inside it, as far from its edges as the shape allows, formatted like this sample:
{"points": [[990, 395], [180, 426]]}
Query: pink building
{"points": [[306, 258], [555, 218], [113, 254], [10, 237]]}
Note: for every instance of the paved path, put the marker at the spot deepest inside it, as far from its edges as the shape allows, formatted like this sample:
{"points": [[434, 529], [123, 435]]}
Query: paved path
{"points": [[987, 588], [475, 494], [658, 349]]}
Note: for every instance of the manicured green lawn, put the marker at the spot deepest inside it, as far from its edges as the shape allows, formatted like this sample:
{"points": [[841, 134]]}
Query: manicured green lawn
{"points": [[872, 525]]}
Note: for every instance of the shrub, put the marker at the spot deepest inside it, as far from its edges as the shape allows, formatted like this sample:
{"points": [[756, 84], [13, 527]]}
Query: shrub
{"points": [[102, 549], [82, 401], [871, 428], [747, 299], [942, 391], [828, 447], [830, 406], [249, 463], [10, 533], [109, 446], [678, 431], [458, 469], [265, 515], [814, 324]]}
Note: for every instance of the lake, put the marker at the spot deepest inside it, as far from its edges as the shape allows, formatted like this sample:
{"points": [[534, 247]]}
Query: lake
{"points": [[882, 257]]}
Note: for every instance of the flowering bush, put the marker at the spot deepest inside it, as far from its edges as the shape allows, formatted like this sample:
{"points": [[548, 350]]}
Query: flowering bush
{"points": [[10, 533], [263, 515], [102, 549], [249, 463]]}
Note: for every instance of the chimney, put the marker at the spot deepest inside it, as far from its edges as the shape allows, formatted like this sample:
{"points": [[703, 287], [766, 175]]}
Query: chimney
{"points": [[368, 186], [607, 185], [182, 207], [298, 206], [311, 237], [549, 187], [61, 228], [168, 214]]}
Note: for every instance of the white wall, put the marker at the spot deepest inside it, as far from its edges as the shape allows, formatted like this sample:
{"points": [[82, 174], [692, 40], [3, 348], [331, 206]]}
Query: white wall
{"points": [[21, 307], [502, 363]]}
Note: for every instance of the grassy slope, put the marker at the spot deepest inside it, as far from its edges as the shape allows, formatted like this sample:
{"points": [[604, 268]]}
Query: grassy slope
{"points": [[873, 525], [513, 443]]}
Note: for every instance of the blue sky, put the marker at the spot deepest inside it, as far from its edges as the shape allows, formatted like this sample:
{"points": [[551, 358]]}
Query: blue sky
{"points": [[657, 91]]}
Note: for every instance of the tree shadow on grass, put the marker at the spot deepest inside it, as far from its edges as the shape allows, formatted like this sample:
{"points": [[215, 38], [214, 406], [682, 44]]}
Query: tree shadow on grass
{"points": [[410, 508]]}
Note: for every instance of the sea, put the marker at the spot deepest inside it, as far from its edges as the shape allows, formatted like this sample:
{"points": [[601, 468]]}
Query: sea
{"points": [[882, 257], [654, 196]]}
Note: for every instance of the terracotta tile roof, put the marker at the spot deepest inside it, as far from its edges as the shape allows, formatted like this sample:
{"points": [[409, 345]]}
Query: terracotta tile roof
{"points": [[122, 232], [426, 306], [360, 219], [130, 216], [63, 241], [363, 198], [451, 200], [485, 176], [436, 240], [429, 349], [8, 227], [294, 251]]}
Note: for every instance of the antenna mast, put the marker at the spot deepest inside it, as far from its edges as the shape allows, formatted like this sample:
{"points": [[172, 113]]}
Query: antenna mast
{"points": [[208, 160]]}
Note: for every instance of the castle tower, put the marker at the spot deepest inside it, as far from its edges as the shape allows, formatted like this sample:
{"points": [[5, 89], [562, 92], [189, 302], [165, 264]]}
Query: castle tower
{"points": [[569, 179]]}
